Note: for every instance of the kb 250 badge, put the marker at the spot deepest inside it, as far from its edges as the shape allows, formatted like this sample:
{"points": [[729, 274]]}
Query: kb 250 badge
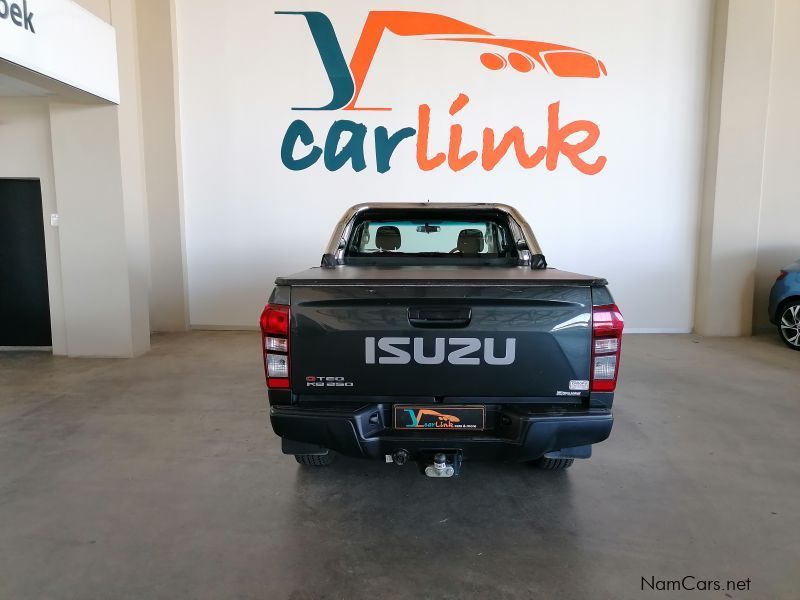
{"points": [[315, 381]]}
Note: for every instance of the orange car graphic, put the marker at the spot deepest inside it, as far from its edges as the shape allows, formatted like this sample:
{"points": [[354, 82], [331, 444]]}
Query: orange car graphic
{"points": [[347, 79], [439, 416], [522, 55], [416, 417]]}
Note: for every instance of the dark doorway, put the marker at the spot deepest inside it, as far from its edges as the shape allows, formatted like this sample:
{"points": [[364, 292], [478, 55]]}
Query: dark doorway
{"points": [[24, 302]]}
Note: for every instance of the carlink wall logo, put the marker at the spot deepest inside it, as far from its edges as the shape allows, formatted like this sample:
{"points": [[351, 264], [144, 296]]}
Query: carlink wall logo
{"points": [[299, 150]]}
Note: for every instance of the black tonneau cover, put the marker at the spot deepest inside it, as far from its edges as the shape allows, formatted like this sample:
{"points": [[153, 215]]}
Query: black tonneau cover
{"points": [[436, 275]]}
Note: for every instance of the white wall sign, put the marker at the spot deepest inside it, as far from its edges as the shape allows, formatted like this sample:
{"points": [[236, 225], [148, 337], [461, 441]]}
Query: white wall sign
{"points": [[304, 108], [63, 41]]}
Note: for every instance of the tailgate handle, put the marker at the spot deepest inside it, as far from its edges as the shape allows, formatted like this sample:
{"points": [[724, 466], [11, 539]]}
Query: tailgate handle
{"points": [[439, 317]]}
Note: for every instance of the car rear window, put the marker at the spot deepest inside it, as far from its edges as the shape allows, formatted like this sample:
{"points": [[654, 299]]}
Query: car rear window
{"points": [[457, 238]]}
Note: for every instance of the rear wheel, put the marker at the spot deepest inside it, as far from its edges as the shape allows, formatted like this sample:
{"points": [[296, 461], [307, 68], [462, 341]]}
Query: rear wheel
{"points": [[554, 464], [315, 460], [789, 324]]}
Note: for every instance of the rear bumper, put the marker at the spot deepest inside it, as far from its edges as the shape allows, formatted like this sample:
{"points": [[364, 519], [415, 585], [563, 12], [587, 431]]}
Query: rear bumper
{"points": [[515, 432]]}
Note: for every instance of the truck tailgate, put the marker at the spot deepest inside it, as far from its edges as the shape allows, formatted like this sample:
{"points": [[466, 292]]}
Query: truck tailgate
{"points": [[504, 339]]}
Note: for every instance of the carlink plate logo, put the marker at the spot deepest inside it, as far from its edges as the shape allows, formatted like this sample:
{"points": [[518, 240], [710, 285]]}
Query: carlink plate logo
{"points": [[440, 417], [346, 139]]}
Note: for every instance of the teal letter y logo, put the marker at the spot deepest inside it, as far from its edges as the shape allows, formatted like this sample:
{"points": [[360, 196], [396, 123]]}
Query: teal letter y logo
{"points": [[332, 59], [414, 417]]}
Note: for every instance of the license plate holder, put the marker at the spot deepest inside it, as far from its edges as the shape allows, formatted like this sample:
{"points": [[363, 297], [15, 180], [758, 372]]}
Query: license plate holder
{"points": [[439, 417]]}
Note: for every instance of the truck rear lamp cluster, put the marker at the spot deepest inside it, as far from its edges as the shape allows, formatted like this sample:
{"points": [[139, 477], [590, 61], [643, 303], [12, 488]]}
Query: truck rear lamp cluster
{"points": [[275, 344], [607, 326]]}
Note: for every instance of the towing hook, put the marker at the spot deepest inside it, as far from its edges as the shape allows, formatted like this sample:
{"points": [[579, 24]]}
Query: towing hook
{"points": [[440, 467], [400, 457]]}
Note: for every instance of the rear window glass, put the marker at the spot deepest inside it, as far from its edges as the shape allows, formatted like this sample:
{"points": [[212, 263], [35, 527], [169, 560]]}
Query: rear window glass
{"points": [[386, 238]]}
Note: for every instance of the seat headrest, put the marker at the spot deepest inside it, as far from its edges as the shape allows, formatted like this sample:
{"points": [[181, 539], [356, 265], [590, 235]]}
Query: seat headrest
{"points": [[470, 241], [387, 238]]}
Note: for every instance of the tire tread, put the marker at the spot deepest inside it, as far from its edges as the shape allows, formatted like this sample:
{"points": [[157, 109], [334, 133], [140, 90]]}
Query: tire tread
{"points": [[554, 464], [314, 460]]}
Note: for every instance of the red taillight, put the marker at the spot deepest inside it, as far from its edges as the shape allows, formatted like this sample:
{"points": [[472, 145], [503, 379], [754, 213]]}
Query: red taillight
{"points": [[275, 345], [607, 326], [781, 275], [275, 320]]}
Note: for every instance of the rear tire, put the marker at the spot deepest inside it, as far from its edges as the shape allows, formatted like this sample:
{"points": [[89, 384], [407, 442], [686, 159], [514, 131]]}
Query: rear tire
{"points": [[554, 464], [315, 460]]}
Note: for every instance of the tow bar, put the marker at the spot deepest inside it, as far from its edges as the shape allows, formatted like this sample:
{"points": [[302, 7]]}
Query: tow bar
{"points": [[440, 467], [443, 465]]}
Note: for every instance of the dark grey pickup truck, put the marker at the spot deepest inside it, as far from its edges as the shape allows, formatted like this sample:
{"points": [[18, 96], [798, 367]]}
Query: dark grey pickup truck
{"points": [[435, 333]]}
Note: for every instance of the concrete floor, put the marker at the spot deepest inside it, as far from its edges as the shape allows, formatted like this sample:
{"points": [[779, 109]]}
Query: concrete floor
{"points": [[159, 478]]}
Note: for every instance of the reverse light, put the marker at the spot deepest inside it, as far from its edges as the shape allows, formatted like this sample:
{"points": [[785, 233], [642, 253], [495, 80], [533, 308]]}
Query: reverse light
{"points": [[277, 366], [606, 345], [275, 344], [607, 326], [605, 367]]}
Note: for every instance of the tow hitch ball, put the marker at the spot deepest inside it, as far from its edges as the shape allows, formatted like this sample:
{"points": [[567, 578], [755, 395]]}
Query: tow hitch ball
{"points": [[440, 466]]}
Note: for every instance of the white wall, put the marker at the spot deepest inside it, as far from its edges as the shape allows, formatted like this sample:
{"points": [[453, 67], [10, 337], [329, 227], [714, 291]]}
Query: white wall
{"points": [[89, 156], [157, 96], [99, 8], [91, 159], [778, 232], [248, 218], [168, 298], [132, 167], [25, 152], [748, 224], [74, 150], [725, 288], [102, 298]]}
